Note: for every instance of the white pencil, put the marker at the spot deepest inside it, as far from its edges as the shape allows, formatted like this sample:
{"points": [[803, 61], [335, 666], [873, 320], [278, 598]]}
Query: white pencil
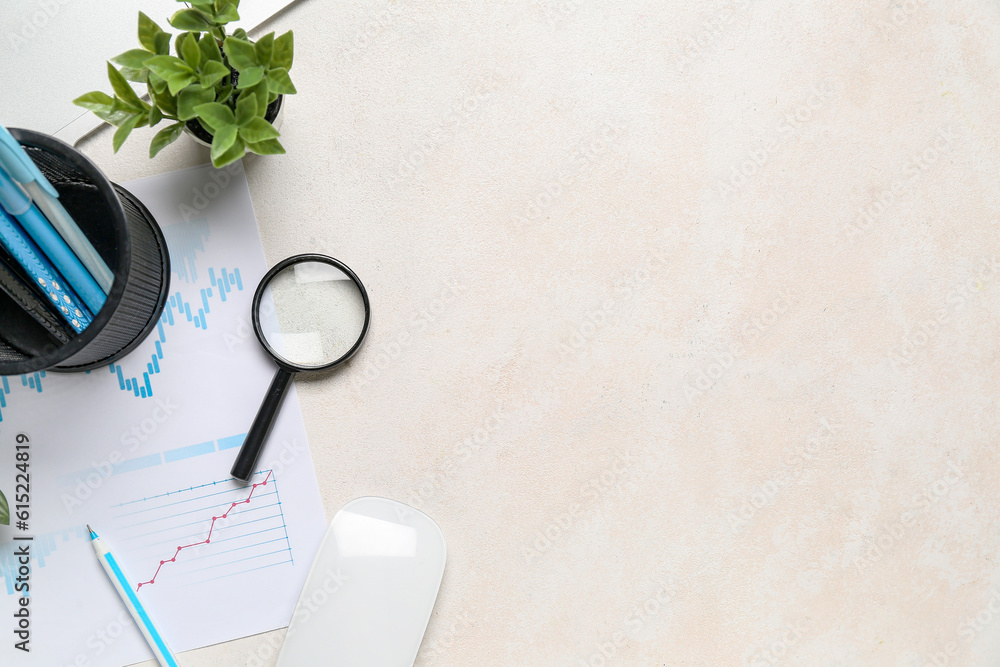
{"points": [[128, 596]]}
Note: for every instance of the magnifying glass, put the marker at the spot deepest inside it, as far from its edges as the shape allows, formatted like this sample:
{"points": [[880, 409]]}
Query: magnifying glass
{"points": [[311, 313]]}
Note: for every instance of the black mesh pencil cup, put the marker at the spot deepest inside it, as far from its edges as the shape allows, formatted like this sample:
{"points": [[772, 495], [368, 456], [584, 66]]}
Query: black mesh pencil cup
{"points": [[127, 238]]}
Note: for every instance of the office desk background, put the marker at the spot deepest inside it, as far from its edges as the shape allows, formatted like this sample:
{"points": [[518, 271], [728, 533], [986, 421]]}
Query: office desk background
{"points": [[685, 318]]}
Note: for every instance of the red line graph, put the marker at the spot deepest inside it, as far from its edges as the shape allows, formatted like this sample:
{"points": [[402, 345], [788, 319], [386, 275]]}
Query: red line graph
{"points": [[208, 539]]}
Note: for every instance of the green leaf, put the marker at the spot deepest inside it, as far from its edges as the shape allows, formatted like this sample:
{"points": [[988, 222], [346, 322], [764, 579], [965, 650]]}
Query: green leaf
{"points": [[268, 147], [250, 76], [134, 58], [223, 140], [258, 130], [178, 82], [191, 19], [164, 100], [116, 116], [212, 73], [240, 52], [191, 97], [178, 40], [246, 109], [157, 83], [260, 92], [4, 510], [164, 137], [210, 49], [264, 49], [190, 51], [163, 44], [126, 128], [123, 90], [283, 51], [279, 82], [166, 66], [155, 115], [235, 152], [137, 75], [95, 101], [224, 93], [240, 33], [177, 73], [227, 14], [215, 115], [148, 32]]}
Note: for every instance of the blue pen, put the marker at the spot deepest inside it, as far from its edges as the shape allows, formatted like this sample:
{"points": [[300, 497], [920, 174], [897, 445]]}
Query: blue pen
{"points": [[16, 201], [22, 169], [31, 259], [131, 600]]}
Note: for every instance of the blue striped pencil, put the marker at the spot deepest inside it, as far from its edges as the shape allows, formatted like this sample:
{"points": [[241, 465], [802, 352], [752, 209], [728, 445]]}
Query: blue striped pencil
{"points": [[131, 600]]}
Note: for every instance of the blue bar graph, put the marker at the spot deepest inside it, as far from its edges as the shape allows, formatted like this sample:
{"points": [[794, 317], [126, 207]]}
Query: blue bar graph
{"points": [[170, 456], [232, 441], [187, 452], [185, 243], [138, 463], [32, 381]]}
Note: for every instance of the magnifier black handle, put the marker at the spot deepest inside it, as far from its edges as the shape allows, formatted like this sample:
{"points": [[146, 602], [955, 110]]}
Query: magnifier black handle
{"points": [[246, 460]]}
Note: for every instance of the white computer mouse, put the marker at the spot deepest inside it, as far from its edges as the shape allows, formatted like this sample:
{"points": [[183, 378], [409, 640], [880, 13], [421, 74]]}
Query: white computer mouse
{"points": [[371, 589]]}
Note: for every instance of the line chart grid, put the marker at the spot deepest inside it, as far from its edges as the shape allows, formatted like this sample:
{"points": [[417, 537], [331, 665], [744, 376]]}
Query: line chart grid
{"points": [[204, 532]]}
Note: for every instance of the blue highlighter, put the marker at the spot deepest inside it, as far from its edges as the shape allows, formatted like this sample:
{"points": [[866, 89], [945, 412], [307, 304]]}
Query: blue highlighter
{"points": [[17, 203]]}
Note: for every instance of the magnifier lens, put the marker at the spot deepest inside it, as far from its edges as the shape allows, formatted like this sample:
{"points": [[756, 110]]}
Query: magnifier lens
{"points": [[311, 314]]}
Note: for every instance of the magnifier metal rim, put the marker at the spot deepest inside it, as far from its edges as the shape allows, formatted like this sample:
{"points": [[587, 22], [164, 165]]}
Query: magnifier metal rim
{"points": [[266, 280]]}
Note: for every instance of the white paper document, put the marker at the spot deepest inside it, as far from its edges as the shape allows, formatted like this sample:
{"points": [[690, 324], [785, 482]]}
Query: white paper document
{"points": [[141, 450]]}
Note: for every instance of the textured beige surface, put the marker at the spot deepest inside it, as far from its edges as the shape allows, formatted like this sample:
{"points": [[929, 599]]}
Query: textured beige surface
{"points": [[661, 408]]}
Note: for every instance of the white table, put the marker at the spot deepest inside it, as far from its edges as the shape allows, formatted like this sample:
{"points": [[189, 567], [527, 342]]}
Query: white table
{"points": [[662, 409]]}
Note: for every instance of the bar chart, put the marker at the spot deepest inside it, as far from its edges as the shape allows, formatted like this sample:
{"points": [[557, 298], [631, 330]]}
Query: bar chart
{"points": [[185, 242]]}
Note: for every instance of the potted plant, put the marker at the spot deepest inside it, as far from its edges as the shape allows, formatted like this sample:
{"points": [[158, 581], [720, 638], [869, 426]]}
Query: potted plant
{"points": [[223, 89]]}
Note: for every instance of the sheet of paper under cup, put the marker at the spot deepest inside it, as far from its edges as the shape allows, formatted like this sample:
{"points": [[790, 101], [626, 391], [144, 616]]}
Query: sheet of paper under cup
{"points": [[142, 451]]}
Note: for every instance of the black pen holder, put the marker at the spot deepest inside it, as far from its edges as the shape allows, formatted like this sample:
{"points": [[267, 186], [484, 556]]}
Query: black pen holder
{"points": [[125, 235]]}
